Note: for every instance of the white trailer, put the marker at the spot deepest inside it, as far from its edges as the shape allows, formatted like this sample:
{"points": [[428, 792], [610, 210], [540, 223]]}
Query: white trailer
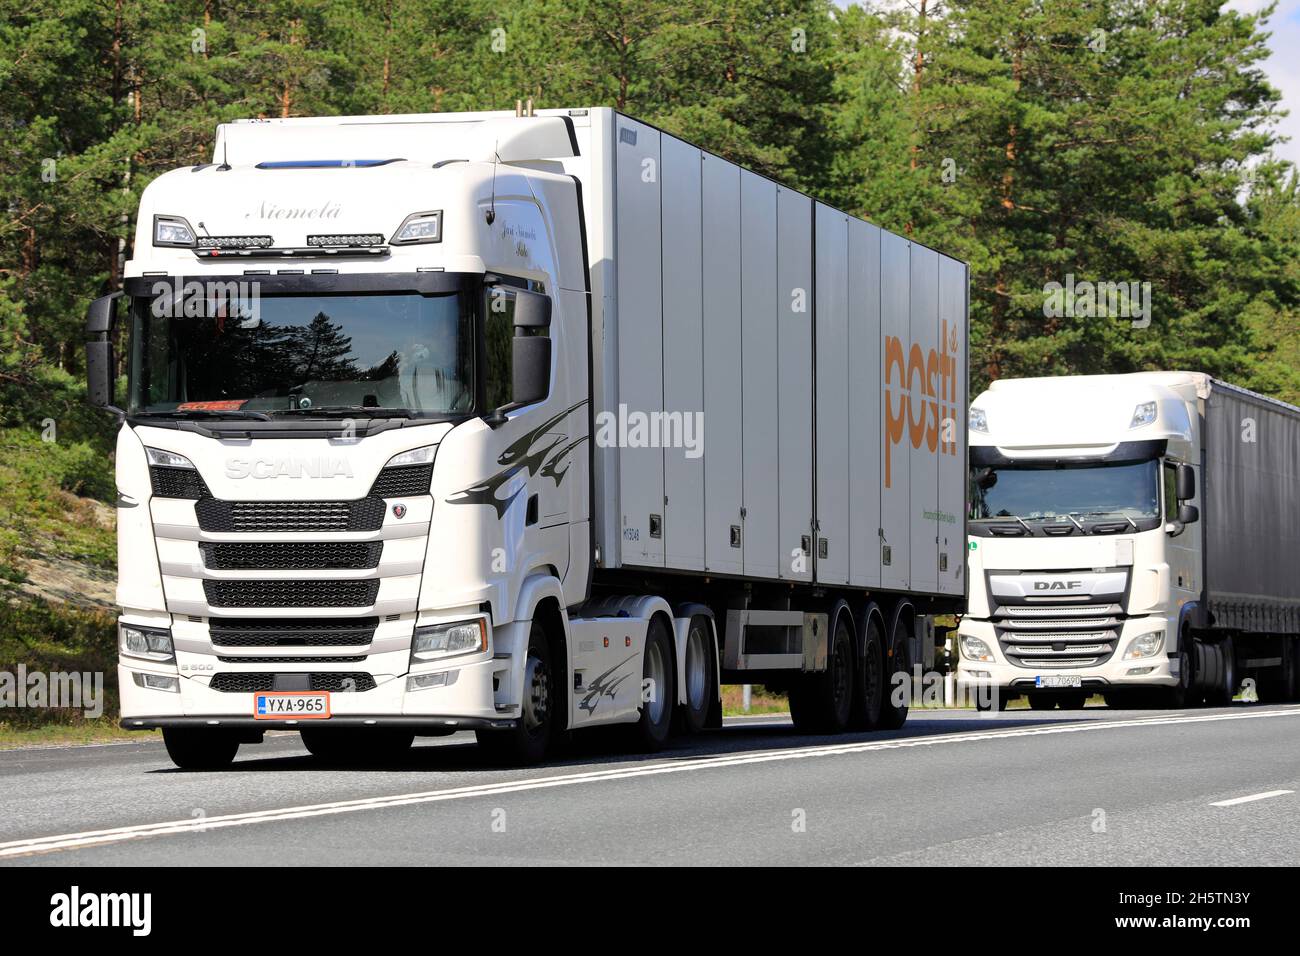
{"points": [[1132, 535], [521, 424]]}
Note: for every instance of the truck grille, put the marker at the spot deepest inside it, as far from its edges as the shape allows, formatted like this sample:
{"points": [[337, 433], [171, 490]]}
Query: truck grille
{"points": [[292, 555], [360, 514], [403, 482], [273, 632], [249, 682], [1058, 635], [291, 593]]}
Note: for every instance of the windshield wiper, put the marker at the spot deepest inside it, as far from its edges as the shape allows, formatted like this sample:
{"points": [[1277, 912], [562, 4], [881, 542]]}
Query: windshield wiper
{"points": [[1105, 514], [206, 413], [347, 411]]}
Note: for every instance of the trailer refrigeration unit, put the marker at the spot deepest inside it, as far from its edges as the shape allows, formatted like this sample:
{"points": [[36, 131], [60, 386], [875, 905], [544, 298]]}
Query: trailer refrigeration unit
{"points": [[1133, 535], [520, 424]]}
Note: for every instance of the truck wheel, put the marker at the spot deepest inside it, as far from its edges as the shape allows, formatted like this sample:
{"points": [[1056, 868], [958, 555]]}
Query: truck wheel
{"points": [[656, 721], [198, 748], [897, 695], [1042, 702], [526, 742], [1183, 694], [868, 688], [700, 684], [1225, 685], [989, 704], [1295, 670], [822, 703], [351, 746]]}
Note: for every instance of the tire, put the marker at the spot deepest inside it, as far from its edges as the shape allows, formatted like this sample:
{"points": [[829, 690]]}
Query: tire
{"points": [[1282, 684], [1294, 696], [1225, 685], [823, 703], [528, 741], [897, 695], [1073, 701], [1184, 693], [356, 747], [1041, 702], [198, 748], [656, 722], [699, 680], [989, 706], [869, 682]]}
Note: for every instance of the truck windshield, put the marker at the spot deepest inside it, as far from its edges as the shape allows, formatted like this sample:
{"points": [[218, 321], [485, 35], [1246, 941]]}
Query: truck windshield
{"points": [[404, 353], [1123, 489]]}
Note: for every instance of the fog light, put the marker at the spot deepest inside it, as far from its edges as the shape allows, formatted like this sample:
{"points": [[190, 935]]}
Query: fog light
{"points": [[426, 681], [979, 675], [157, 682], [1139, 671]]}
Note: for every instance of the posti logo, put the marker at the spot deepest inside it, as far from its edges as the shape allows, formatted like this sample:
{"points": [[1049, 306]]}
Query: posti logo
{"points": [[920, 393]]}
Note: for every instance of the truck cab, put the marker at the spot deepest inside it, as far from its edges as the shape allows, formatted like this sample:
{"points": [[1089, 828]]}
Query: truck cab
{"points": [[331, 327], [1085, 553]]}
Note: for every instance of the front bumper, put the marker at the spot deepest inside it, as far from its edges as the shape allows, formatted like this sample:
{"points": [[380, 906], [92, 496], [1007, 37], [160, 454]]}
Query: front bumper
{"points": [[1157, 671], [468, 700]]}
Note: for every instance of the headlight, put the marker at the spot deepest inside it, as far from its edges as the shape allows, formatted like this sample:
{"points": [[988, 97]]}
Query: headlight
{"points": [[449, 640], [1145, 645], [172, 231], [146, 643], [168, 459], [416, 456], [979, 422], [973, 649], [1144, 414], [419, 227]]}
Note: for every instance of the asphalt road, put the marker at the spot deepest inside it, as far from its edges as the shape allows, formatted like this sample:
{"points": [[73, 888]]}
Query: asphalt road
{"points": [[1097, 787]]}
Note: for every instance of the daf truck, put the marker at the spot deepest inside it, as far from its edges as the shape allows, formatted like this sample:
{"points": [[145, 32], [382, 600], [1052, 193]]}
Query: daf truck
{"points": [[1135, 536], [520, 424]]}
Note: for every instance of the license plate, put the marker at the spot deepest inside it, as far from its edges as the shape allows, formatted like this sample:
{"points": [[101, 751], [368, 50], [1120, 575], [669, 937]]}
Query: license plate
{"points": [[1058, 680], [291, 705]]}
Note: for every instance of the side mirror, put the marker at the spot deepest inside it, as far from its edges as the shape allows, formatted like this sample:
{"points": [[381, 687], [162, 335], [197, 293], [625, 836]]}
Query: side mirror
{"points": [[1186, 480], [532, 310], [100, 319], [530, 361], [530, 354], [1187, 514]]}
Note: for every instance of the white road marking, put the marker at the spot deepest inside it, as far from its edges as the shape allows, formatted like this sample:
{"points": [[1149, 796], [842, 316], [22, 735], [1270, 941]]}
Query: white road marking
{"points": [[1251, 799], [90, 838]]}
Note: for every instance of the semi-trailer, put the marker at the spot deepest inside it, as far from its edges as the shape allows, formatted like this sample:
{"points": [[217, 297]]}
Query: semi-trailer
{"points": [[1132, 535], [520, 424]]}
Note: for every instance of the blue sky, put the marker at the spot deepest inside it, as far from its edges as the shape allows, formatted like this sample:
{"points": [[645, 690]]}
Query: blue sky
{"points": [[1283, 67]]}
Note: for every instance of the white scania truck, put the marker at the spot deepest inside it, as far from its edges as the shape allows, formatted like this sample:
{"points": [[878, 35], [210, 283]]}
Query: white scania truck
{"points": [[1135, 536], [414, 439]]}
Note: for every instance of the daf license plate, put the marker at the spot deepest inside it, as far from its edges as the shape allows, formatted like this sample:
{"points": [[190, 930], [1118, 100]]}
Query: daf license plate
{"points": [[1058, 680]]}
